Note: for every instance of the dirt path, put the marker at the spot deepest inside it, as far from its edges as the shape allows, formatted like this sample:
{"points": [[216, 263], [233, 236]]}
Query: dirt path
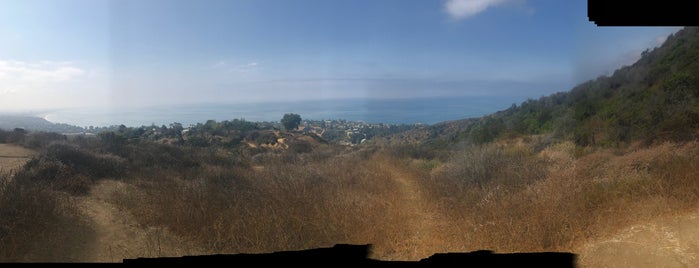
{"points": [[423, 222], [118, 235], [665, 242]]}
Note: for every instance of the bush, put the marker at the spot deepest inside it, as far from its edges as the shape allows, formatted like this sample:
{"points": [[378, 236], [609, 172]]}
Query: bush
{"points": [[150, 156], [85, 162], [39, 225], [300, 147], [68, 168], [39, 140], [492, 164]]}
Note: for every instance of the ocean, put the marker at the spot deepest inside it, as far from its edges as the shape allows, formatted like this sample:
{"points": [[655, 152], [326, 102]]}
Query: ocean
{"points": [[391, 111]]}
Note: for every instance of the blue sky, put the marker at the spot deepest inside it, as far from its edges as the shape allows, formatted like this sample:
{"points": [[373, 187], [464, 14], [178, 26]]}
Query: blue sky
{"points": [[78, 53]]}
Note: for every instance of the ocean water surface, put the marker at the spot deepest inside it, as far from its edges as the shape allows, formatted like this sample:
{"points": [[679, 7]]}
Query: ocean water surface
{"points": [[391, 111]]}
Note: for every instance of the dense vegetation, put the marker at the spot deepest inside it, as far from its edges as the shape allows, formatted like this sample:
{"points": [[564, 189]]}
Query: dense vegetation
{"points": [[655, 99]]}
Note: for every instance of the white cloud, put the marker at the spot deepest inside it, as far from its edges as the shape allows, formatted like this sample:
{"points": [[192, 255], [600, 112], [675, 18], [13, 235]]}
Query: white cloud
{"points": [[20, 75], [462, 9], [24, 84]]}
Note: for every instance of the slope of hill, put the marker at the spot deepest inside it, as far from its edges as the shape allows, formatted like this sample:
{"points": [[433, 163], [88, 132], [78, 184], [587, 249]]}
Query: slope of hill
{"points": [[31, 123], [655, 99]]}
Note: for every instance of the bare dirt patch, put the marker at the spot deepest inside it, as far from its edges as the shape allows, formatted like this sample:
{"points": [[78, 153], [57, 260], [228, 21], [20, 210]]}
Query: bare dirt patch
{"points": [[424, 225], [665, 242]]}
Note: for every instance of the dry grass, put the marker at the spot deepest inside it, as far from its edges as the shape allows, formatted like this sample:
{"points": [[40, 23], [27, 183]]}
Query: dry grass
{"points": [[12, 157], [288, 203], [505, 198], [577, 199], [39, 224], [524, 195]]}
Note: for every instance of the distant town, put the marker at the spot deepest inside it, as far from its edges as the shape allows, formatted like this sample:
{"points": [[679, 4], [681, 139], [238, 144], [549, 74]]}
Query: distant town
{"points": [[350, 132], [337, 131]]}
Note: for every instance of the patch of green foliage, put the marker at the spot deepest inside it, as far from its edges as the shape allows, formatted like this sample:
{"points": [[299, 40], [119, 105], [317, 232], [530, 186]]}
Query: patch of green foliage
{"points": [[655, 99]]}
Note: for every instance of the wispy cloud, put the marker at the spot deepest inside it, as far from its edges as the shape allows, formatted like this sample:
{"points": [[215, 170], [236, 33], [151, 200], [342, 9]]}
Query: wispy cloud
{"points": [[26, 76], [247, 67], [42, 84], [236, 67], [219, 64], [660, 40], [462, 9]]}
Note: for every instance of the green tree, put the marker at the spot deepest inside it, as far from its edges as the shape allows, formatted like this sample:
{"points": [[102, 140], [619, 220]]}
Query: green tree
{"points": [[291, 121]]}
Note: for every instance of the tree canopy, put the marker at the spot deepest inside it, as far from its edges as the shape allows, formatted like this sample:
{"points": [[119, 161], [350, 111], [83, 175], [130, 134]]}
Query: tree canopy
{"points": [[291, 121]]}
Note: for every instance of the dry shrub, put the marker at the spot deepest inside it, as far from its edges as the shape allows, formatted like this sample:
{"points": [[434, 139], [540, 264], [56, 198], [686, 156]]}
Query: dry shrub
{"points": [[578, 198], [488, 167], [39, 140], [85, 162], [678, 173], [287, 203], [526, 195], [69, 168], [38, 224]]}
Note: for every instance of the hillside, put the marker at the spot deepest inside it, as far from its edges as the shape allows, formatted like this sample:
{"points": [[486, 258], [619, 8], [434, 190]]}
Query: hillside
{"points": [[116, 196], [32, 123], [655, 99]]}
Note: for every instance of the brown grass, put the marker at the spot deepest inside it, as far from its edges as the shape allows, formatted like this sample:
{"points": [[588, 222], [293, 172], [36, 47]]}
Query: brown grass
{"points": [[288, 203], [39, 224], [12, 157], [575, 201], [523, 195]]}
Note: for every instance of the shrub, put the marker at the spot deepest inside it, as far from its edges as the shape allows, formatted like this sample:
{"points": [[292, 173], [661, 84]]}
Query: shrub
{"points": [[39, 140], [300, 147], [85, 162], [39, 225], [492, 164]]}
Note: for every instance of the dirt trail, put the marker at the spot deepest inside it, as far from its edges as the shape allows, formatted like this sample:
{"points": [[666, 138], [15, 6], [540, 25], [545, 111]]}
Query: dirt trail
{"points": [[665, 242], [423, 222], [118, 235]]}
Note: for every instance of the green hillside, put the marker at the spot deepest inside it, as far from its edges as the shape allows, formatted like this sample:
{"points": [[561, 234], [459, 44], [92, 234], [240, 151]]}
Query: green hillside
{"points": [[655, 99]]}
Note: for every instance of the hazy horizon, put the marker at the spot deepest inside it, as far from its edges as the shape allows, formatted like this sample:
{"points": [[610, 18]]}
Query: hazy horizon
{"points": [[117, 54], [388, 111]]}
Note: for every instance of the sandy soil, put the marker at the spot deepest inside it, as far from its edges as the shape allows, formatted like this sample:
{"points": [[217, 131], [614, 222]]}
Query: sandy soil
{"points": [[665, 242]]}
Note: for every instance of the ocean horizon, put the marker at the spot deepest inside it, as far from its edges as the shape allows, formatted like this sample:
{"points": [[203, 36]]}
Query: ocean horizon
{"points": [[389, 111]]}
